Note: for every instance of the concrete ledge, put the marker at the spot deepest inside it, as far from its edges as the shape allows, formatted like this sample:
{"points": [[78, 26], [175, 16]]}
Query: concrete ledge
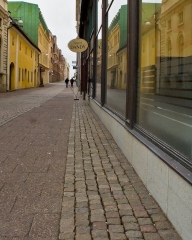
{"points": [[170, 190]]}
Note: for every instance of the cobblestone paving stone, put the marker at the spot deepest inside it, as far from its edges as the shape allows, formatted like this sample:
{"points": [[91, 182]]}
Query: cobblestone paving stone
{"points": [[103, 196]]}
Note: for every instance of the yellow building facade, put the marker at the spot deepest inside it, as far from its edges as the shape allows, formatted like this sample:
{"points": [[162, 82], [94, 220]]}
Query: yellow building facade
{"points": [[116, 60], [22, 60], [166, 48], [4, 22], [122, 68], [43, 44]]}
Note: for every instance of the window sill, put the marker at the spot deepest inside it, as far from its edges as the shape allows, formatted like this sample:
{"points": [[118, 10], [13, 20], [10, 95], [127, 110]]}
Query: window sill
{"points": [[180, 24]]}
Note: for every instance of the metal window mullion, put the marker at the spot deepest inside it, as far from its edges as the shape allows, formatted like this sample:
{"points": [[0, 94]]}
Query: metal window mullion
{"points": [[132, 56], [104, 51]]}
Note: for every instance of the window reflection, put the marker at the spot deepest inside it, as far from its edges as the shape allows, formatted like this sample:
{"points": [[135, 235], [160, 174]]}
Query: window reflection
{"points": [[117, 56], [165, 80], [99, 13], [98, 52], [90, 75], [98, 67]]}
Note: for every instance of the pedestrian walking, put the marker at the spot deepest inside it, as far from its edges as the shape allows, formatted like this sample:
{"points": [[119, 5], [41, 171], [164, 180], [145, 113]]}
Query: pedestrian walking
{"points": [[72, 81], [66, 82]]}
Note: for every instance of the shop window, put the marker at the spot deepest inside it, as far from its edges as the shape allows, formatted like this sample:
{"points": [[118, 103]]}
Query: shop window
{"points": [[116, 69], [98, 52], [164, 93], [90, 75], [98, 65]]}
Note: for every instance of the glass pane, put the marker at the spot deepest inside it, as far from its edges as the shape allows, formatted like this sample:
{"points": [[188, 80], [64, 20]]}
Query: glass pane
{"points": [[90, 74], [98, 67], [117, 56], [99, 13], [165, 73]]}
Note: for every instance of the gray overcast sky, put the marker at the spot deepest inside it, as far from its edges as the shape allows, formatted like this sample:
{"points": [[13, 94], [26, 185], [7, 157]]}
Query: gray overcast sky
{"points": [[59, 16]]}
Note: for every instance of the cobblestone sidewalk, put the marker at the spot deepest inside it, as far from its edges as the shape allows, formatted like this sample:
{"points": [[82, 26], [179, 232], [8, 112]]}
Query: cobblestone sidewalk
{"points": [[103, 196]]}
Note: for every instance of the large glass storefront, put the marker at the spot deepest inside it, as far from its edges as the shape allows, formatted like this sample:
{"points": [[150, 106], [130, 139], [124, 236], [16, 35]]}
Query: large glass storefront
{"points": [[153, 87], [165, 73], [116, 57]]}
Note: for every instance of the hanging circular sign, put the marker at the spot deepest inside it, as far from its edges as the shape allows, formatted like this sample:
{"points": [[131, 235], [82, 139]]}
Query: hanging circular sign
{"points": [[78, 45]]}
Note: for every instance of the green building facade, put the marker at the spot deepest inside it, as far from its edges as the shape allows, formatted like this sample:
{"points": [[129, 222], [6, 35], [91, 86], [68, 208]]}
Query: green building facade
{"points": [[31, 16]]}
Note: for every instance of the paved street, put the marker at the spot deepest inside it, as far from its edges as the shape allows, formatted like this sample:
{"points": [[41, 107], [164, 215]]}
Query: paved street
{"points": [[33, 149], [12, 104], [62, 176]]}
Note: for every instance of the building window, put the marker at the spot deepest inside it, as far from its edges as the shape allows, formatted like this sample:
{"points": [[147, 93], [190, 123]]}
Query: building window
{"points": [[169, 49], [180, 17], [181, 57], [23, 71], [163, 89], [169, 25], [0, 22], [143, 46], [115, 39], [13, 40], [19, 74], [190, 37], [40, 38]]}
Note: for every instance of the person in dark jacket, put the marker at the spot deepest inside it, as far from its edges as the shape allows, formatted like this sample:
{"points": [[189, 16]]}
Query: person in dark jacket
{"points": [[66, 82], [72, 81]]}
